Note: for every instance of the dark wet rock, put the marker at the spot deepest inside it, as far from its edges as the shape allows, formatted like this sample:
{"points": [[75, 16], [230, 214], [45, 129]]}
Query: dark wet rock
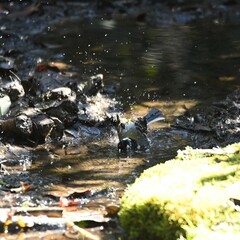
{"points": [[31, 125], [24, 125], [52, 109], [46, 81], [83, 132], [87, 86], [49, 98], [46, 127], [226, 120], [21, 126], [19, 107], [65, 110], [60, 93], [217, 125], [11, 84]]}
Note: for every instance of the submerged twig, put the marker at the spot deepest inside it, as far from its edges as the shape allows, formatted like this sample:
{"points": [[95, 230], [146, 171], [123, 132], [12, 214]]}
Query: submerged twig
{"points": [[81, 231]]}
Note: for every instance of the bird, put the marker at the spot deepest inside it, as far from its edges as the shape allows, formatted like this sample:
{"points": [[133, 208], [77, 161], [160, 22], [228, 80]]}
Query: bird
{"points": [[133, 134]]}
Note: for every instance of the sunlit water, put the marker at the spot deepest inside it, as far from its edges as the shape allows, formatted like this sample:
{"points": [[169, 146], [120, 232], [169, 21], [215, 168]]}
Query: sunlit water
{"points": [[173, 68]]}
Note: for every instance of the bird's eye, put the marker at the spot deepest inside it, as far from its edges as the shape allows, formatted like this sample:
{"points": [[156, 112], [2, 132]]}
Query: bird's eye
{"points": [[122, 125]]}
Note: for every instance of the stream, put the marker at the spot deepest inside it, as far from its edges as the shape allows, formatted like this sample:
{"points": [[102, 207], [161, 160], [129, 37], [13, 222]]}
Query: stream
{"points": [[172, 68]]}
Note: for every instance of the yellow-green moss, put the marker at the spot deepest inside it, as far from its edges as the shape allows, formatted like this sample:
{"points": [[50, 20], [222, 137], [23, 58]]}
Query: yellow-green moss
{"points": [[186, 198]]}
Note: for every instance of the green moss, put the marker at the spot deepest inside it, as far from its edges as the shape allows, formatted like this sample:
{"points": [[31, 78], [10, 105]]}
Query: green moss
{"points": [[186, 198]]}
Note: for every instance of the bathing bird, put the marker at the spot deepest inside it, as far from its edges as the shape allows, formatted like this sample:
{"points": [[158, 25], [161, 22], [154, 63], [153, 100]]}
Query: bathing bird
{"points": [[133, 134]]}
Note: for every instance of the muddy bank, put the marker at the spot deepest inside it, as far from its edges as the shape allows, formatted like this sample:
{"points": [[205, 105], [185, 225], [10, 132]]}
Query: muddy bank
{"points": [[217, 125], [171, 12]]}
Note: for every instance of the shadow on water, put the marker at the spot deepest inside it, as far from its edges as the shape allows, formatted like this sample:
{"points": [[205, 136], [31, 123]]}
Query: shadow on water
{"points": [[173, 68], [99, 165]]}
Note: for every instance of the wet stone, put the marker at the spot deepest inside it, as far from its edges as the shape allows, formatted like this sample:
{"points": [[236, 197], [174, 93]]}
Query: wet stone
{"points": [[11, 84], [43, 126], [215, 125], [66, 111], [59, 93], [45, 81], [5, 103], [24, 124]]}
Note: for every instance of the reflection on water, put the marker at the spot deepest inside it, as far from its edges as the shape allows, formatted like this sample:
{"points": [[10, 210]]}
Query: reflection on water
{"points": [[144, 63], [172, 68]]}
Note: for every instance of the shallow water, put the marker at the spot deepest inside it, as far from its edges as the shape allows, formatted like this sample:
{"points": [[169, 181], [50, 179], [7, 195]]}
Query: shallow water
{"points": [[166, 63], [172, 68]]}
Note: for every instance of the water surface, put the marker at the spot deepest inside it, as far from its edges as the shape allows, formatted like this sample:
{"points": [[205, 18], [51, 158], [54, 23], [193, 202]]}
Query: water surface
{"points": [[193, 62], [173, 68]]}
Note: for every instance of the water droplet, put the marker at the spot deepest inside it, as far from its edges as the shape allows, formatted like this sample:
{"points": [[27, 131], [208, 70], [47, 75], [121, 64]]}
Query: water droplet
{"points": [[39, 60]]}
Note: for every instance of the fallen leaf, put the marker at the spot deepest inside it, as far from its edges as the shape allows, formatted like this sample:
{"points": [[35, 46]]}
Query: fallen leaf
{"points": [[64, 202], [25, 188], [82, 232], [21, 223], [41, 67], [20, 189], [59, 65], [111, 210], [55, 66]]}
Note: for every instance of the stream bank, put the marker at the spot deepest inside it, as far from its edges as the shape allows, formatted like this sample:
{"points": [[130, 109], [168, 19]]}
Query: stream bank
{"points": [[194, 196]]}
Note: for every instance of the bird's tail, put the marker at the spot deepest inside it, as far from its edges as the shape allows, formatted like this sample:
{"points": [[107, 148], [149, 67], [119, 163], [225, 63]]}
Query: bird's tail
{"points": [[154, 115]]}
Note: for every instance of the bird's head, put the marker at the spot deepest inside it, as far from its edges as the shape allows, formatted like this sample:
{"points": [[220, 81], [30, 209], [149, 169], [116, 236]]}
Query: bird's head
{"points": [[127, 145]]}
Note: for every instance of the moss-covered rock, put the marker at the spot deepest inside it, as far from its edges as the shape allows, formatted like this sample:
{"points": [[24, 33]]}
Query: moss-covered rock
{"points": [[189, 197]]}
